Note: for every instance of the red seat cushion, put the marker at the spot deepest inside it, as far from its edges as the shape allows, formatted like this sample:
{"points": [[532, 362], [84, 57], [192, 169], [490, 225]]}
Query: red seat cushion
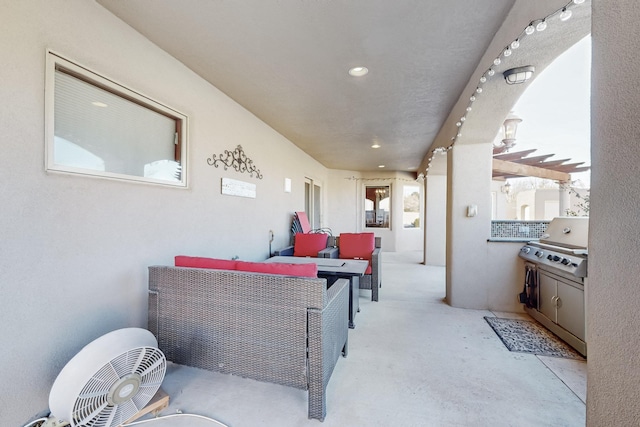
{"points": [[309, 244], [300, 270], [201, 262], [357, 246]]}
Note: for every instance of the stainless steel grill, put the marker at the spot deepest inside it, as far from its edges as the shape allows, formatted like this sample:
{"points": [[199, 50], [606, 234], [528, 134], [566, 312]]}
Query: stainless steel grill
{"points": [[562, 248], [555, 277]]}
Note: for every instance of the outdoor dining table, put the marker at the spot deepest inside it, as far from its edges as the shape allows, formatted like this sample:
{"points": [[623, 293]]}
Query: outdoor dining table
{"points": [[333, 269]]}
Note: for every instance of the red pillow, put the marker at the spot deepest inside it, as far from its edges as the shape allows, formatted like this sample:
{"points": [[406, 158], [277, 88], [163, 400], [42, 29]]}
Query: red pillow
{"points": [[200, 262], [300, 270], [309, 244], [357, 245]]}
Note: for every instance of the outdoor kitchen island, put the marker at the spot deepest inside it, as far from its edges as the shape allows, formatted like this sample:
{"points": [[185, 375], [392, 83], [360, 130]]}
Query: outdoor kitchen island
{"points": [[555, 279]]}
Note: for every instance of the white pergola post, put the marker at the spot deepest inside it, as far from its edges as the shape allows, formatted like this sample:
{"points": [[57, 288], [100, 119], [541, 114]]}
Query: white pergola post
{"points": [[564, 197]]}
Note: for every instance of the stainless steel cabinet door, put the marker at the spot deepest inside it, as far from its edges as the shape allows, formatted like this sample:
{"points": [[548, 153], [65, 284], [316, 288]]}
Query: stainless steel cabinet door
{"points": [[570, 311], [547, 297]]}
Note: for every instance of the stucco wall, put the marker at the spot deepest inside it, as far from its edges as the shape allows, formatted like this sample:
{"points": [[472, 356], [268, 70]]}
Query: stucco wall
{"points": [[346, 207], [480, 274], [504, 277], [343, 202], [613, 313], [436, 220], [74, 251]]}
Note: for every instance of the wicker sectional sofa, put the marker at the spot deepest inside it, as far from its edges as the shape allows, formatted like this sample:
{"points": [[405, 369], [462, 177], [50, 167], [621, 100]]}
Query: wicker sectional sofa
{"points": [[269, 327]]}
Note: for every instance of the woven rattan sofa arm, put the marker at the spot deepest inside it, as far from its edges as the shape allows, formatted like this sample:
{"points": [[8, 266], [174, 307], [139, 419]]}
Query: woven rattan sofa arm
{"points": [[329, 253], [336, 288], [328, 339], [152, 316], [376, 273], [288, 251]]}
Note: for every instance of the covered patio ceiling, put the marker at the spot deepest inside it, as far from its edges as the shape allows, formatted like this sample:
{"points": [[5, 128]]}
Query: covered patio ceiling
{"points": [[286, 61]]}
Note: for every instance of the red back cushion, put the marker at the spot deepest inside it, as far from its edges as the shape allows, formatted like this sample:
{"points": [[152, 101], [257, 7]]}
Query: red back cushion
{"points": [[357, 245], [300, 270], [309, 244], [201, 262]]}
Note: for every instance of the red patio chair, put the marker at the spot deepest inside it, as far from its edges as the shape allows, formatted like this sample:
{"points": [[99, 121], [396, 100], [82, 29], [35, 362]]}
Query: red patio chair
{"points": [[359, 246], [306, 242]]}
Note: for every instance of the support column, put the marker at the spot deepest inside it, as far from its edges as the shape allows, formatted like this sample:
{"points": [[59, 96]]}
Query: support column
{"points": [[468, 225], [435, 219], [424, 218], [564, 197]]}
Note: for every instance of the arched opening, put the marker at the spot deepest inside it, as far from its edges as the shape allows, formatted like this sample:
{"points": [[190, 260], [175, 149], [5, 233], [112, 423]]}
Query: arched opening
{"points": [[551, 154]]}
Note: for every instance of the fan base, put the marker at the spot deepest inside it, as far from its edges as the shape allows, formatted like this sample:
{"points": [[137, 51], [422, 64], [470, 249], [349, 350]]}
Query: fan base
{"points": [[158, 402]]}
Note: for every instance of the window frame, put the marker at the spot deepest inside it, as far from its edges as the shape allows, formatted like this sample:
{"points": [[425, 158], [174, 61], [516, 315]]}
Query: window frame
{"points": [[57, 63], [367, 225]]}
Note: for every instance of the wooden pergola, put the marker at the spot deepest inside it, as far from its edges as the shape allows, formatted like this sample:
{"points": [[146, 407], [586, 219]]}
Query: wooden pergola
{"points": [[518, 164]]}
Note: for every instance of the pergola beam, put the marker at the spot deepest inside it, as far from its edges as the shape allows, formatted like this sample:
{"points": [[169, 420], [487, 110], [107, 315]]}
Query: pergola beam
{"points": [[533, 161], [569, 167], [502, 167], [554, 163], [514, 156]]}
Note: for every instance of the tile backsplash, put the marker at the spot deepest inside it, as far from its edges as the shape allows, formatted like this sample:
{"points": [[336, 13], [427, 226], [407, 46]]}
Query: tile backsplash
{"points": [[518, 229]]}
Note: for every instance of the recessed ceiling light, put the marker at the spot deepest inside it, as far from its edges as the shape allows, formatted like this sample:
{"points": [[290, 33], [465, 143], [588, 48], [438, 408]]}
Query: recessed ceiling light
{"points": [[99, 104], [380, 166], [358, 71], [375, 146]]}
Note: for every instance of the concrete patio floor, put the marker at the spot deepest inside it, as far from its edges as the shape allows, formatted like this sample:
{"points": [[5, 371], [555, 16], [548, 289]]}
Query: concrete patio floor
{"points": [[413, 361]]}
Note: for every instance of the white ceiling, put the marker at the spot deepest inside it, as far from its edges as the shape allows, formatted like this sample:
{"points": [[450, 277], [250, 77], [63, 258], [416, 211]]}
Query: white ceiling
{"points": [[286, 61]]}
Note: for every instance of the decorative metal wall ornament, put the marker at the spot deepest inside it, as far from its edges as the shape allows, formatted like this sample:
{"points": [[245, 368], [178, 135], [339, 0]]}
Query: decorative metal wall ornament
{"points": [[237, 160]]}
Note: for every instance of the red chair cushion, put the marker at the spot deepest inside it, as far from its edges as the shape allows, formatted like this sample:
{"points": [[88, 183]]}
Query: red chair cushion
{"points": [[300, 270], [201, 262], [357, 245], [309, 244]]}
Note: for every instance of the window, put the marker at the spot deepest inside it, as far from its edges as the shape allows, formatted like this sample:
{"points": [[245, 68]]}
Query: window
{"points": [[98, 127], [312, 202], [411, 206], [377, 206]]}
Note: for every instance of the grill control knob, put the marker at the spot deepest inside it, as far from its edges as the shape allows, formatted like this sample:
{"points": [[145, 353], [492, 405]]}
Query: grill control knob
{"points": [[525, 250], [565, 261], [550, 257], [556, 258], [539, 254]]}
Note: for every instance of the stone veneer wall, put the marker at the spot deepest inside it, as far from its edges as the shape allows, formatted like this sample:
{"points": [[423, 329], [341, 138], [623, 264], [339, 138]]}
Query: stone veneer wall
{"points": [[518, 229]]}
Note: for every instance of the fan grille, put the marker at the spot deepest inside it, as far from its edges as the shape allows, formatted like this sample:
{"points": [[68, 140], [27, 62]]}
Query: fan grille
{"points": [[92, 408]]}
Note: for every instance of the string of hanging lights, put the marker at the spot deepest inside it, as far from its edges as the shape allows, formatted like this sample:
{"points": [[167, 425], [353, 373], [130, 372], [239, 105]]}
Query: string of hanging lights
{"points": [[512, 76]]}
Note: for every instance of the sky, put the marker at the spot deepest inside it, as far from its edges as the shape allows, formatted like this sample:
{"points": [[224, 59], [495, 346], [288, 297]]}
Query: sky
{"points": [[555, 110]]}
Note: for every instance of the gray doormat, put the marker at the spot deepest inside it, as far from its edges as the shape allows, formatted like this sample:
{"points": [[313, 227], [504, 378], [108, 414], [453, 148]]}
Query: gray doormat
{"points": [[524, 336]]}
